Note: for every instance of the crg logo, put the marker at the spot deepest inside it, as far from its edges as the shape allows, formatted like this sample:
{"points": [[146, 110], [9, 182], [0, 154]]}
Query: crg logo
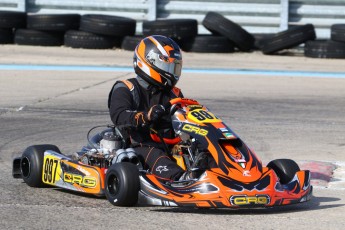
{"points": [[84, 181], [250, 200]]}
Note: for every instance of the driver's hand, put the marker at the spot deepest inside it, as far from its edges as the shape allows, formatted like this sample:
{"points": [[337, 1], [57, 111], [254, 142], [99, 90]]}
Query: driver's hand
{"points": [[155, 113]]}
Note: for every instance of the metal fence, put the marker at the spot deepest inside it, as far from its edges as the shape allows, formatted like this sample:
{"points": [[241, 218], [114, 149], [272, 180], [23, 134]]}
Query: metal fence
{"points": [[13, 5], [256, 16]]}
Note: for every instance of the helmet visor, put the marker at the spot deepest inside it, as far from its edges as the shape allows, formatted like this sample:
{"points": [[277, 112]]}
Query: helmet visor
{"points": [[164, 63]]}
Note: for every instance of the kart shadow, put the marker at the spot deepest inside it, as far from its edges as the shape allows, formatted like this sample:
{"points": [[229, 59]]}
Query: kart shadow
{"points": [[76, 193], [316, 203]]}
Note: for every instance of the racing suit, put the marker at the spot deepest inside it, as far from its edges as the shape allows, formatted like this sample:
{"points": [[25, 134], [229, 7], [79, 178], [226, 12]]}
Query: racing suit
{"points": [[126, 107]]}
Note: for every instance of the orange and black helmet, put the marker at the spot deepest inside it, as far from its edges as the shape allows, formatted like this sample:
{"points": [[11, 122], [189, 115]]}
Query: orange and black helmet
{"points": [[158, 60]]}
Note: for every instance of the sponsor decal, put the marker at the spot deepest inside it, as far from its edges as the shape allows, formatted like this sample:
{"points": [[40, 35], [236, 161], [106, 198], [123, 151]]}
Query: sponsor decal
{"points": [[87, 173], [246, 173], [191, 107], [229, 135], [161, 169], [84, 181], [250, 200], [194, 129]]}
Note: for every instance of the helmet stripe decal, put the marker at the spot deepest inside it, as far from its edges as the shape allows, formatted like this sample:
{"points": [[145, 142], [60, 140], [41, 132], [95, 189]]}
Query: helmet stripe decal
{"points": [[159, 46], [141, 49]]}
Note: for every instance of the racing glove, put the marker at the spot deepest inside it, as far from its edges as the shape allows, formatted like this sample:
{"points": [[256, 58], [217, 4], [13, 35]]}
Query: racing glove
{"points": [[155, 113]]}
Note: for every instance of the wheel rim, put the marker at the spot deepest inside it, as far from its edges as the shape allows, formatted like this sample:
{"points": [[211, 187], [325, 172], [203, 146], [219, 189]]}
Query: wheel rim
{"points": [[25, 167], [113, 185]]}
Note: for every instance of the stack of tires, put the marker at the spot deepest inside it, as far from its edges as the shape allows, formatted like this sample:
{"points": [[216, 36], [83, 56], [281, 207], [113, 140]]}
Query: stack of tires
{"points": [[72, 30], [46, 30], [333, 48]]}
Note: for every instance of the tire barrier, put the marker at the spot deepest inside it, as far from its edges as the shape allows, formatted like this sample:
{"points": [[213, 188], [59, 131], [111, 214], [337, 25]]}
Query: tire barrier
{"points": [[97, 31]]}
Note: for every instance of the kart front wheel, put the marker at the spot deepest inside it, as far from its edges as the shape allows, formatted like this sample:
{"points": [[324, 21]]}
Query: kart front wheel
{"points": [[122, 184], [285, 169], [31, 164]]}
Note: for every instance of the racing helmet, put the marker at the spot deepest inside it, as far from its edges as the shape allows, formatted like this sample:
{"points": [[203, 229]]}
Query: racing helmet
{"points": [[158, 61]]}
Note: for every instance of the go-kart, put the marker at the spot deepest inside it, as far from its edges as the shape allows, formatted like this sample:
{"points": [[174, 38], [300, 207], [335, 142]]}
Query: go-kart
{"points": [[223, 171]]}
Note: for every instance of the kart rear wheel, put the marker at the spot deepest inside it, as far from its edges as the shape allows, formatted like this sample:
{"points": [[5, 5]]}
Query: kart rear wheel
{"points": [[284, 168], [122, 184], [31, 164]]}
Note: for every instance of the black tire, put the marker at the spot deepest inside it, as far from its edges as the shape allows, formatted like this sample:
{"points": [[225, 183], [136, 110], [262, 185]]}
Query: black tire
{"points": [[338, 32], [208, 44], [37, 38], [285, 169], [131, 42], [87, 40], [259, 38], [174, 28], [122, 184], [324, 49], [218, 24], [53, 22], [6, 36], [108, 25], [31, 164], [288, 39], [12, 19]]}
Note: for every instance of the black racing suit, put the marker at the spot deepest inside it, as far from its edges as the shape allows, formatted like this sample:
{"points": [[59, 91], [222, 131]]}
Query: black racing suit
{"points": [[124, 109]]}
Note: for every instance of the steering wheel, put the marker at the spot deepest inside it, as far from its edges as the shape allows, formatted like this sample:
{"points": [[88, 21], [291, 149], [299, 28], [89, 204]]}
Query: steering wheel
{"points": [[176, 101]]}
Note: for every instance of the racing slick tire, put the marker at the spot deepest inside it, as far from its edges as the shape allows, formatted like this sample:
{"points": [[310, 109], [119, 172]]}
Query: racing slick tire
{"points": [[122, 184], [285, 169], [31, 164]]}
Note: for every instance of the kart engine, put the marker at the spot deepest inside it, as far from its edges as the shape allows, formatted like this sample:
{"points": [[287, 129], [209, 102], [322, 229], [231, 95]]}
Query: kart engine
{"points": [[108, 151]]}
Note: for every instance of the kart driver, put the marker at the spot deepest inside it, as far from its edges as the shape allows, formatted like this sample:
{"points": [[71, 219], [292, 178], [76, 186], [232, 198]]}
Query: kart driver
{"points": [[139, 102]]}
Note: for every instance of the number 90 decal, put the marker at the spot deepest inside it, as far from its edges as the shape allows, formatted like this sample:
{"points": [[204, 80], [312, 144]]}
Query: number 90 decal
{"points": [[202, 116]]}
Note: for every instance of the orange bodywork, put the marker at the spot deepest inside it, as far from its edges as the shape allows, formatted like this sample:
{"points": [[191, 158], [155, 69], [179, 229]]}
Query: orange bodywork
{"points": [[213, 190], [239, 180]]}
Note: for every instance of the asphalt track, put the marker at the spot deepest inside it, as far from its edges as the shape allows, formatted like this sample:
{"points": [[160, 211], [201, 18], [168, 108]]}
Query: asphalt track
{"points": [[278, 115]]}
